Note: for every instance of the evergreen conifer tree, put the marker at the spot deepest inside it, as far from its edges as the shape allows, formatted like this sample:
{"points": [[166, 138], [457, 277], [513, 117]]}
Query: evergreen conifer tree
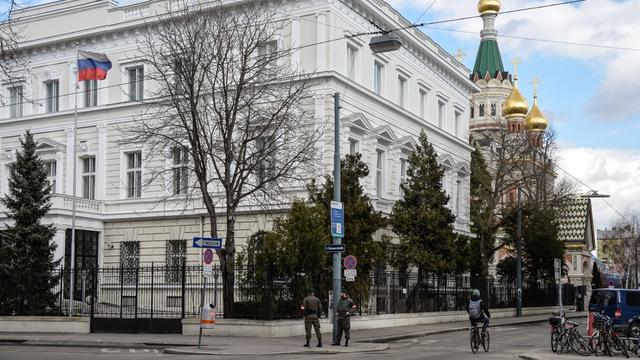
{"points": [[596, 278], [421, 217], [26, 248]]}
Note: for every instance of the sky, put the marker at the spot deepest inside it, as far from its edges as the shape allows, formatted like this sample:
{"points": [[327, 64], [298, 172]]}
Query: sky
{"points": [[590, 94]]}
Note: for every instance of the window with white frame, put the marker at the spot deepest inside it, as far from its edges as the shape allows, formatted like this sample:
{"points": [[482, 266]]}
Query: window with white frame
{"points": [[423, 103], [457, 123], [52, 172], [379, 172], [90, 93], [377, 77], [134, 174], [441, 114], [403, 173], [402, 90], [458, 196], [16, 98], [267, 166], [52, 91], [267, 54], [352, 61], [354, 146], [135, 79], [180, 170], [89, 177]]}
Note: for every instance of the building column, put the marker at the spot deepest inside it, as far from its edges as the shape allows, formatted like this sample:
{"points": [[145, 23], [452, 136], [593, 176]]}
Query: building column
{"points": [[295, 42], [101, 159], [321, 37], [69, 164]]}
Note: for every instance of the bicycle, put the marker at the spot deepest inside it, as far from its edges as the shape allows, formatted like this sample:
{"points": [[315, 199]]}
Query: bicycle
{"points": [[556, 321], [476, 337], [570, 339]]}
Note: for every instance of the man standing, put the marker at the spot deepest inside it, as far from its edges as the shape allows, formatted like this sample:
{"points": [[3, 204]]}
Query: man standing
{"points": [[312, 310], [346, 307]]}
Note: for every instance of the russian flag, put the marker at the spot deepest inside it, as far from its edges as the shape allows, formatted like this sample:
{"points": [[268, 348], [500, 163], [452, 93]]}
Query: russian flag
{"points": [[92, 66]]}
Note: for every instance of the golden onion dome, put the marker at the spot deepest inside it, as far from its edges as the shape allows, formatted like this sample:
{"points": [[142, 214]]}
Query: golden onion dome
{"points": [[536, 121], [488, 6], [515, 104]]}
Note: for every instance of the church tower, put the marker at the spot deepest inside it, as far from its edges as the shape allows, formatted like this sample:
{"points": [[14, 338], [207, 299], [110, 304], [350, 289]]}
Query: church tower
{"points": [[489, 74]]}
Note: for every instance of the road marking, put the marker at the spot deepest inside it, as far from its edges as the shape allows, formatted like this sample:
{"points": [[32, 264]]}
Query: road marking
{"points": [[132, 351], [111, 351]]}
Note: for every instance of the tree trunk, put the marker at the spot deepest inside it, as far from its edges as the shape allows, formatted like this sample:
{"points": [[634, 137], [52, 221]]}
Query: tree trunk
{"points": [[228, 267]]}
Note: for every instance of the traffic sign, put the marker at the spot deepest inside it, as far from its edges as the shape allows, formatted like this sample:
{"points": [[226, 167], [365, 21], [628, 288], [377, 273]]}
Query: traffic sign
{"points": [[557, 267], [350, 262], [207, 270], [207, 256], [207, 242], [350, 274], [337, 219], [333, 248]]}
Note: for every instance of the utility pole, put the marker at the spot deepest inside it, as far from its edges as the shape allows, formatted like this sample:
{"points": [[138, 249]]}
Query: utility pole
{"points": [[337, 273], [519, 257]]}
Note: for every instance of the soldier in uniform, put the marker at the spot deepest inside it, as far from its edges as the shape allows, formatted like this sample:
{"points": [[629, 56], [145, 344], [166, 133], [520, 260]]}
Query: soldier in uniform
{"points": [[312, 310], [346, 307]]}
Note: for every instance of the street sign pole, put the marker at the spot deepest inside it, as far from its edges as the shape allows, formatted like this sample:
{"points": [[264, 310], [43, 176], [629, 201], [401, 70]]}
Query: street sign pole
{"points": [[337, 268], [557, 267], [519, 258]]}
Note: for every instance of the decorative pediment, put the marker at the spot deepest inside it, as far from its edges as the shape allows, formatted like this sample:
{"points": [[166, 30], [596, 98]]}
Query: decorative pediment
{"points": [[385, 133], [48, 145], [464, 169], [407, 143], [357, 121], [447, 161]]}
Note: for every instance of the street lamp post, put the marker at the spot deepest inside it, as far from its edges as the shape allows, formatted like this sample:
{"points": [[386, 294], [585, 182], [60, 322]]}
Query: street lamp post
{"points": [[519, 257]]}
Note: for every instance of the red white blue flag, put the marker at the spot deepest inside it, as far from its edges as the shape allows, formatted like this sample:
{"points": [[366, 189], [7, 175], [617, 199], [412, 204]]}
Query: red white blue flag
{"points": [[92, 66]]}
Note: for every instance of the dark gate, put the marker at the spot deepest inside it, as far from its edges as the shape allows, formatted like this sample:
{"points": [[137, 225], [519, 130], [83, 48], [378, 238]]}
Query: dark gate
{"points": [[143, 299]]}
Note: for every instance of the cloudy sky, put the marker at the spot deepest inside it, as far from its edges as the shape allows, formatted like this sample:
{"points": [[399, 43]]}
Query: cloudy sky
{"points": [[591, 94]]}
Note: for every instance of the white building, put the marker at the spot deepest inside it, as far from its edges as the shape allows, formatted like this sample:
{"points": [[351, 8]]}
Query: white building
{"points": [[387, 99]]}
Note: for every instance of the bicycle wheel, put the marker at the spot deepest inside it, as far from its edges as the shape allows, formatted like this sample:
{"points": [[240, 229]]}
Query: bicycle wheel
{"points": [[486, 341], [577, 344], [618, 345], [473, 339], [555, 339]]}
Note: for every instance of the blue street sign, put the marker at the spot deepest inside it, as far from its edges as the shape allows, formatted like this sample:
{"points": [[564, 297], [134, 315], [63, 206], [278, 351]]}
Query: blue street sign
{"points": [[337, 219], [333, 248], [207, 242]]}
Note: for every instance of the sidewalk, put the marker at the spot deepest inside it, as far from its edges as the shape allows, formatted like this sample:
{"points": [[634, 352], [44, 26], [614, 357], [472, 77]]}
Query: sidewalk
{"points": [[362, 340]]}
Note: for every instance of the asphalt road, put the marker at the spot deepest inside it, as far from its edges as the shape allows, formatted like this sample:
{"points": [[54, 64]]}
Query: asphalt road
{"points": [[506, 343]]}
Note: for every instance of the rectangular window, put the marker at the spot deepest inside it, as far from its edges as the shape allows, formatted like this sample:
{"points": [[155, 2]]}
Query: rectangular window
{"points": [[180, 171], [134, 174], [16, 98], [379, 173], [267, 54], [441, 114], [353, 146], [352, 58], [633, 298], [52, 90], [403, 172], [457, 124], [423, 104], [493, 109], [136, 83], [129, 260], [377, 77], [90, 93], [473, 111], [267, 166], [176, 256], [481, 110], [89, 177], [51, 168], [458, 196], [402, 91]]}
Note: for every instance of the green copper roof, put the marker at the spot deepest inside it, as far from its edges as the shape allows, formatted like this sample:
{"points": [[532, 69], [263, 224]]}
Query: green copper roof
{"points": [[488, 59]]}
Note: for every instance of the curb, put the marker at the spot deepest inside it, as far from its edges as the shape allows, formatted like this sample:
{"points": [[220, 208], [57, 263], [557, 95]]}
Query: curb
{"points": [[384, 339], [312, 351]]}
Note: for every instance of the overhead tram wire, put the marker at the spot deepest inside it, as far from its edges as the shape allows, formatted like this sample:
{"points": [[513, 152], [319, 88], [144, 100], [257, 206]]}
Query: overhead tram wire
{"points": [[425, 11]]}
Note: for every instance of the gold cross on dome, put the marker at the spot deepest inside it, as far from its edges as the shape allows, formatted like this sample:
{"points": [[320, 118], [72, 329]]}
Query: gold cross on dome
{"points": [[535, 82], [516, 61], [460, 55]]}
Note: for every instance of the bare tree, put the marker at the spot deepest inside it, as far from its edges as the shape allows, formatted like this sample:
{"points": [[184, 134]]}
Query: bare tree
{"points": [[11, 61], [625, 254], [228, 97]]}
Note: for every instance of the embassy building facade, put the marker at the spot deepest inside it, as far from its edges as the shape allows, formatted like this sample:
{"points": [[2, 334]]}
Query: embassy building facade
{"points": [[387, 99]]}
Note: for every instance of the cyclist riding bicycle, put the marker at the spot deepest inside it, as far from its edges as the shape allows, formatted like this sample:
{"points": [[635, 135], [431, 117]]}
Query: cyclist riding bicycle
{"points": [[478, 311]]}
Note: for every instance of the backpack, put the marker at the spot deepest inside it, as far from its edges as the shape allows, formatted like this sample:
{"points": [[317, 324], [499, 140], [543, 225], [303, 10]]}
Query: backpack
{"points": [[475, 309]]}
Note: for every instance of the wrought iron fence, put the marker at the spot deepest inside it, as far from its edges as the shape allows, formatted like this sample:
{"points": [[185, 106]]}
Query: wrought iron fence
{"points": [[153, 291]]}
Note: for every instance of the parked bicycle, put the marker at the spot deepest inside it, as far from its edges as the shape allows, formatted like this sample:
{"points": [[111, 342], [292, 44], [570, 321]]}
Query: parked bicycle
{"points": [[478, 337], [556, 322], [565, 336]]}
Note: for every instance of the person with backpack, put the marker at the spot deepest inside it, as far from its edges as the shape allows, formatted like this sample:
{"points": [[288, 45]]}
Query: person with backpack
{"points": [[478, 311]]}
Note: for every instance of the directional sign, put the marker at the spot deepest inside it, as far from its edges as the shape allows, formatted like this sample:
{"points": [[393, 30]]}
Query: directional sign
{"points": [[350, 262], [337, 219], [334, 248], [207, 256], [207, 242], [280, 281]]}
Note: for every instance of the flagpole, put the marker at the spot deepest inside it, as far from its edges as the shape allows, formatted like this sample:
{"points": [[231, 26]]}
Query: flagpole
{"points": [[73, 197]]}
